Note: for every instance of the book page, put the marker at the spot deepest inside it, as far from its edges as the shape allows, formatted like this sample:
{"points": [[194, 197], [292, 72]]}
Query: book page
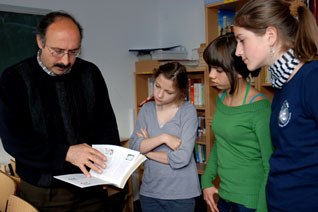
{"points": [[81, 180], [119, 161], [141, 158], [120, 164]]}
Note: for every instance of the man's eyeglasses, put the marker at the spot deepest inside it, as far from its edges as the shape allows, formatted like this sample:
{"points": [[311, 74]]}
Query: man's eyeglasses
{"points": [[59, 53]]}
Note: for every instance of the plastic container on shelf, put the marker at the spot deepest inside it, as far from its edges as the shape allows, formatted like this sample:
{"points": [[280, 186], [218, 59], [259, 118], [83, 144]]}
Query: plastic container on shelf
{"points": [[169, 55]]}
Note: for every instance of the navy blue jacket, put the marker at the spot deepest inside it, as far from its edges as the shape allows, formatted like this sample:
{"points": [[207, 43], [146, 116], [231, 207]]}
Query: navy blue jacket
{"points": [[293, 179]]}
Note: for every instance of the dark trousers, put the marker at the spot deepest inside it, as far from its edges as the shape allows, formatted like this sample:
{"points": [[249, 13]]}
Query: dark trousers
{"points": [[68, 198], [225, 206], [149, 204]]}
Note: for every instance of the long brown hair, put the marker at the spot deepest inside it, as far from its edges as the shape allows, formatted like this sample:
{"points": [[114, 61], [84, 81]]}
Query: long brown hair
{"points": [[299, 33], [177, 73]]}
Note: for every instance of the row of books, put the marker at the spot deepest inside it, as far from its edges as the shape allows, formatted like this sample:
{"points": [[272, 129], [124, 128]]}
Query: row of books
{"points": [[150, 86], [200, 153], [268, 77], [200, 149], [195, 92], [201, 126]]}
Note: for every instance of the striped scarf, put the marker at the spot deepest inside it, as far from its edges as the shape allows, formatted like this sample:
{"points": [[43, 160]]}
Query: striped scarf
{"points": [[283, 68]]}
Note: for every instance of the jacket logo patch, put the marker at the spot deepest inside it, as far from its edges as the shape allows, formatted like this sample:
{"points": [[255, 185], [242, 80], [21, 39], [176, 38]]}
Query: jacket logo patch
{"points": [[284, 115]]}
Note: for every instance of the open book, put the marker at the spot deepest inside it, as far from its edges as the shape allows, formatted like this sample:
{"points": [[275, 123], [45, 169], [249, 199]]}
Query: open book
{"points": [[121, 163]]}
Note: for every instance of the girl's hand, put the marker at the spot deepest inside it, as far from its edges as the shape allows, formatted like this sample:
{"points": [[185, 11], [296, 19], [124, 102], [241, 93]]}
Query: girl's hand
{"points": [[172, 141], [143, 133], [208, 194]]}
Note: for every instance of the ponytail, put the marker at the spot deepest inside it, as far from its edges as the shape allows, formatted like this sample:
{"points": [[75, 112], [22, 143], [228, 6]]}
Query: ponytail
{"points": [[295, 23], [306, 41]]}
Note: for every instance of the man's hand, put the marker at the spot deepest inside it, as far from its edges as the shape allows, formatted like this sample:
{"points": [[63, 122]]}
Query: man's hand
{"points": [[208, 194], [82, 155]]}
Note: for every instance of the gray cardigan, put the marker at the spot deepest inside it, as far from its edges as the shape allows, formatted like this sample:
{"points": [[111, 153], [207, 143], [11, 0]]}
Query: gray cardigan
{"points": [[179, 179]]}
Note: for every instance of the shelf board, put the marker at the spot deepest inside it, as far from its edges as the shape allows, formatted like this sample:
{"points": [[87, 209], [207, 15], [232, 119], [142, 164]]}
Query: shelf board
{"points": [[200, 107], [199, 69], [201, 168], [201, 140], [267, 84], [143, 73]]}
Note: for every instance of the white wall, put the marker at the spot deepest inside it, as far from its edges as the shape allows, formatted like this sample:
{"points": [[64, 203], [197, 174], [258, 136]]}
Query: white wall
{"points": [[182, 23], [112, 27]]}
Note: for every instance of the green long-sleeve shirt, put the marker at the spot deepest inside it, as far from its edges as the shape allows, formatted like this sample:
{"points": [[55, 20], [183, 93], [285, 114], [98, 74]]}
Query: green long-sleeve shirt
{"points": [[241, 152]]}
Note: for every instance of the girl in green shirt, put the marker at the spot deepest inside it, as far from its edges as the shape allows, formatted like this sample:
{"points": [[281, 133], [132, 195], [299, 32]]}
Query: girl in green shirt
{"points": [[242, 148]]}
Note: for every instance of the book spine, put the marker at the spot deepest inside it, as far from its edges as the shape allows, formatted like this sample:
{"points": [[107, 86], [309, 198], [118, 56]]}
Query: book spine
{"points": [[150, 86]]}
